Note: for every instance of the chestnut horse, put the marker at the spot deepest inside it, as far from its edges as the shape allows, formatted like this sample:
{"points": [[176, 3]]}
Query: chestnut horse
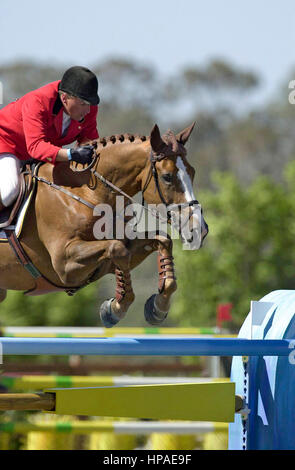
{"points": [[58, 235]]}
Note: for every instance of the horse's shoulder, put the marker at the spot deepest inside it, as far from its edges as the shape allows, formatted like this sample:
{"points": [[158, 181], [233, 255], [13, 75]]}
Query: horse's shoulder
{"points": [[45, 171]]}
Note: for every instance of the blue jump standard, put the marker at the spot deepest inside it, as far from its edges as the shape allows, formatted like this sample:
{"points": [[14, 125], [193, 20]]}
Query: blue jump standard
{"points": [[146, 346]]}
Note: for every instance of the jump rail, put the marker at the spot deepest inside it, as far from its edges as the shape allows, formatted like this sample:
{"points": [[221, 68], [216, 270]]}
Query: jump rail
{"points": [[39, 382], [94, 332], [118, 427], [145, 346]]}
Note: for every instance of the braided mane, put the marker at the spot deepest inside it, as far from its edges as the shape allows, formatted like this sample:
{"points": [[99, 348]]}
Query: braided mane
{"points": [[166, 146], [118, 139]]}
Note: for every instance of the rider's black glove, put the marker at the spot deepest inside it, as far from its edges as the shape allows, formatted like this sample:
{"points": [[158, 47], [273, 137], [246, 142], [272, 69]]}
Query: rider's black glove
{"points": [[81, 154]]}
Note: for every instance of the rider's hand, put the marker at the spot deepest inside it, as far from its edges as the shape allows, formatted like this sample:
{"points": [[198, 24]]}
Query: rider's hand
{"points": [[81, 154]]}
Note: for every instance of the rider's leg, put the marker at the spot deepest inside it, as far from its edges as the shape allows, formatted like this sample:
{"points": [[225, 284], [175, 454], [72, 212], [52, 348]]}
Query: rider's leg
{"points": [[9, 179]]}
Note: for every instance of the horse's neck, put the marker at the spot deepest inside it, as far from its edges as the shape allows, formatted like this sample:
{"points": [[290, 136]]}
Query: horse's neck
{"points": [[122, 164]]}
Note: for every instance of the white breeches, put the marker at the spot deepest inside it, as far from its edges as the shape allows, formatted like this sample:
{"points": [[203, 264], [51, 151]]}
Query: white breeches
{"points": [[9, 178]]}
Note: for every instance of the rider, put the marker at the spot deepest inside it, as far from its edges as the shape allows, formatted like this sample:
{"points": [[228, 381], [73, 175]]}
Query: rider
{"points": [[40, 123]]}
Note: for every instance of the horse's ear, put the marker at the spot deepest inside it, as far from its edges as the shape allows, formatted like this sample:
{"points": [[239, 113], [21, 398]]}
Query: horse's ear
{"points": [[183, 136], [156, 140]]}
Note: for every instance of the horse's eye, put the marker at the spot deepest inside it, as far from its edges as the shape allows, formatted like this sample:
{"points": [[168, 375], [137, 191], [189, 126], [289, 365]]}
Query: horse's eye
{"points": [[167, 177]]}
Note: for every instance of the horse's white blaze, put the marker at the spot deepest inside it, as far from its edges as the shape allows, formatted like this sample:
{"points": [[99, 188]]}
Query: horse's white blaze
{"points": [[192, 236], [185, 180]]}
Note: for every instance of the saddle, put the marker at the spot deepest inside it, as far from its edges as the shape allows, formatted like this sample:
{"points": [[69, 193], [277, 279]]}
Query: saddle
{"points": [[9, 215]]}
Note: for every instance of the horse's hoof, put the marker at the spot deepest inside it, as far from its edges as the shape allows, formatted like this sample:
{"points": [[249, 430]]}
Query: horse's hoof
{"points": [[152, 315], [107, 317]]}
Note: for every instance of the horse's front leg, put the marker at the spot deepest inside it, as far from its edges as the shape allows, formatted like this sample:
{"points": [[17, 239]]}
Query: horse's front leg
{"points": [[157, 306], [114, 309], [127, 257]]}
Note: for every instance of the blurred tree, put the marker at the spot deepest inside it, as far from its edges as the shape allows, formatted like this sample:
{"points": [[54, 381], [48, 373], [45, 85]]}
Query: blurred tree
{"points": [[19, 78], [56, 309], [216, 85], [127, 83], [219, 74], [260, 142], [132, 120]]}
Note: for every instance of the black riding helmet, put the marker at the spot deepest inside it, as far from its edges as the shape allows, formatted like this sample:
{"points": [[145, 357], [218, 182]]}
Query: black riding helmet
{"points": [[80, 82]]}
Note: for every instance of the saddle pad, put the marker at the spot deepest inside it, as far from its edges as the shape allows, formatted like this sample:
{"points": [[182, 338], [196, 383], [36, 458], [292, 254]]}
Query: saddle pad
{"points": [[20, 217]]}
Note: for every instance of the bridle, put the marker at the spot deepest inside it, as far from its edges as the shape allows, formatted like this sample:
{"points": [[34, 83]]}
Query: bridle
{"points": [[154, 173]]}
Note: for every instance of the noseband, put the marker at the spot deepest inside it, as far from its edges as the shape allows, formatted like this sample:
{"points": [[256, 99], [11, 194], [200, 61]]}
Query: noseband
{"points": [[153, 173]]}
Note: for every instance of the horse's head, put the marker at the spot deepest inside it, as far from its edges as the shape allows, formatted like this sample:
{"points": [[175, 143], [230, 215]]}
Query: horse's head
{"points": [[169, 181]]}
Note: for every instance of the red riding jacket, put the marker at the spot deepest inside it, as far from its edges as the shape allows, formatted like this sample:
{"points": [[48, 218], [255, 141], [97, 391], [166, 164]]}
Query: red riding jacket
{"points": [[31, 126]]}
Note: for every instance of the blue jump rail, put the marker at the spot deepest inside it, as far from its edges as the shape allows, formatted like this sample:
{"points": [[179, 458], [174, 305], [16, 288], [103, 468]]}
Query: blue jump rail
{"points": [[146, 346]]}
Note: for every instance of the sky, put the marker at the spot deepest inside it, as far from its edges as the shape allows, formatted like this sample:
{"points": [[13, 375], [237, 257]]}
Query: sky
{"points": [[255, 34]]}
